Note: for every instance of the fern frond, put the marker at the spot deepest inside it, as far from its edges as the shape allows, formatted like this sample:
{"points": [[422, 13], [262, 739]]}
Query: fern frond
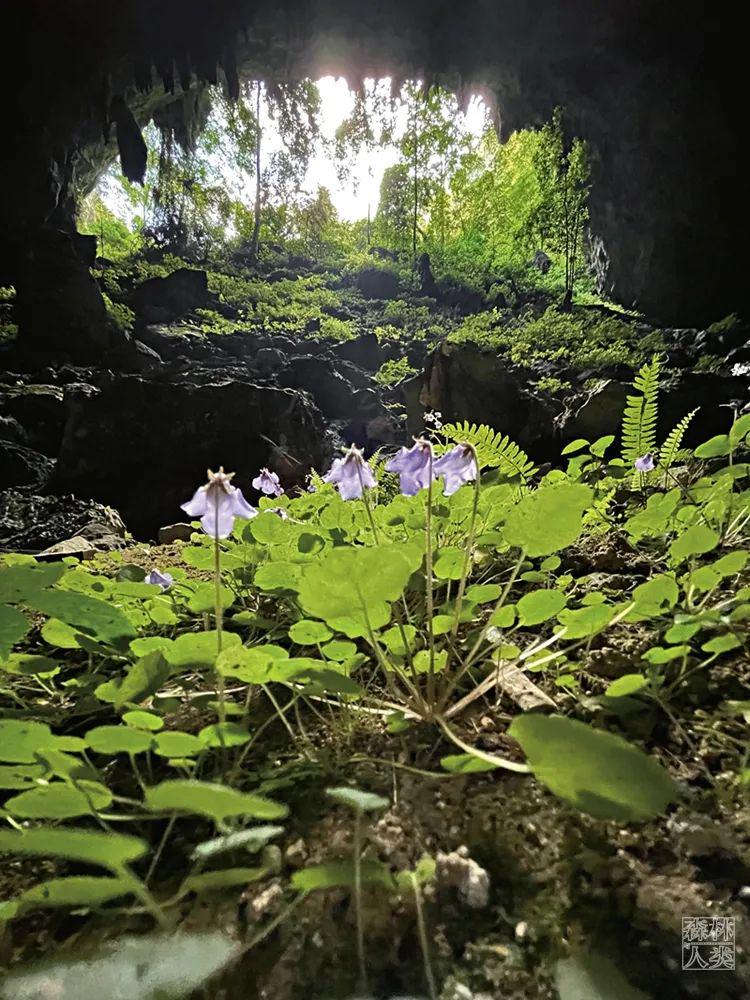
{"points": [[670, 450], [494, 450], [641, 413]]}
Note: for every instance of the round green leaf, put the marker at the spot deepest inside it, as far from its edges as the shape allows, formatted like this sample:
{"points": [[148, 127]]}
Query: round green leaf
{"points": [[213, 800], [174, 744], [139, 719], [60, 801], [118, 739], [356, 799], [110, 850], [539, 606], [695, 541], [13, 627], [309, 633], [596, 771], [20, 739], [549, 519]]}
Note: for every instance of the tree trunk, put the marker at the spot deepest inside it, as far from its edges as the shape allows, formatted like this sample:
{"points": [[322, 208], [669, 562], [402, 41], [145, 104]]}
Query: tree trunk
{"points": [[256, 221]]}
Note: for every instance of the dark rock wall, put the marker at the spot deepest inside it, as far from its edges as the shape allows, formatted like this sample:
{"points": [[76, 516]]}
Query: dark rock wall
{"points": [[655, 87]]}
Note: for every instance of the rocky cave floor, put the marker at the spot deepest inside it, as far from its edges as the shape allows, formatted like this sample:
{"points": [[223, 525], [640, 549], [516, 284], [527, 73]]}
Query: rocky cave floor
{"points": [[129, 437]]}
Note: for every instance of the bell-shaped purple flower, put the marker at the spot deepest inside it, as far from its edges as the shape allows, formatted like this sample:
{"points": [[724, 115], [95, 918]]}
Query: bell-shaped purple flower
{"points": [[268, 482], [218, 503], [645, 463], [351, 474], [413, 467], [457, 466], [163, 580]]}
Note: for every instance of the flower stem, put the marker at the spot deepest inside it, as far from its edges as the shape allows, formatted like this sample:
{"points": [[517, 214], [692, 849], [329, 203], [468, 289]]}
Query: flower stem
{"points": [[469, 546], [218, 621], [358, 898], [423, 940], [429, 598]]}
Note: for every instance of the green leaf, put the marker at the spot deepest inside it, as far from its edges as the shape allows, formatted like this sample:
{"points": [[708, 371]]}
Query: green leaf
{"points": [[358, 800], [58, 634], [449, 563], [252, 840], [539, 606], [203, 599], [74, 891], [695, 541], [714, 447], [228, 878], [129, 968], [20, 775], [118, 739], [466, 763], [139, 719], [268, 528], [339, 650], [173, 744], [483, 593], [19, 583], [103, 622], [308, 632], [549, 519], [586, 621], [351, 587], [338, 874], [224, 734], [277, 576], [207, 799], [574, 446], [654, 597], [143, 679], [660, 654], [596, 771], [60, 801], [29, 665], [503, 617], [625, 685], [13, 627], [110, 850], [20, 739], [199, 649], [722, 644]]}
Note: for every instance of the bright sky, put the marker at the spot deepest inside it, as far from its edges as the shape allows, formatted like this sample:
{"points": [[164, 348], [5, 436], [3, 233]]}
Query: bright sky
{"points": [[361, 190], [352, 199]]}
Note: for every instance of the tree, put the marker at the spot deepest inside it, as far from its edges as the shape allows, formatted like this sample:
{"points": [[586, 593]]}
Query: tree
{"points": [[393, 215]]}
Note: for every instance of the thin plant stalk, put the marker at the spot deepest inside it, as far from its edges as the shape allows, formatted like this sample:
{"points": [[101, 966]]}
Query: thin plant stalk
{"points": [[358, 898], [423, 939], [429, 595]]}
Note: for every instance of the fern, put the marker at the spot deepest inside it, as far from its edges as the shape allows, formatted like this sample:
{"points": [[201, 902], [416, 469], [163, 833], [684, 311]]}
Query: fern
{"points": [[494, 450], [641, 412], [670, 449]]}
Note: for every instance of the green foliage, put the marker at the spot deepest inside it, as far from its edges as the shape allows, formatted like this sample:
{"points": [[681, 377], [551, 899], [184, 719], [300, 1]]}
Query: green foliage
{"points": [[641, 412], [493, 450]]}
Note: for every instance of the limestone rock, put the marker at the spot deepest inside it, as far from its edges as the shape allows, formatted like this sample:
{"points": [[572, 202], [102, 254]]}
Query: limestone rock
{"points": [[179, 532], [160, 299]]}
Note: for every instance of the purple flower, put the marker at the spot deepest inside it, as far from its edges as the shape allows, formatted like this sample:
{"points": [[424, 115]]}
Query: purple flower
{"points": [[218, 503], [645, 463], [458, 466], [163, 580], [268, 483], [351, 474], [413, 466]]}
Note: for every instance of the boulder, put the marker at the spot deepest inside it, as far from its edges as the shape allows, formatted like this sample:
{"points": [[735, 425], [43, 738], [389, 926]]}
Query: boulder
{"points": [[364, 351], [158, 300], [179, 532], [601, 412], [30, 523], [375, 283], [144, 445], [465, 382], [40, 410], [20, 466], [333, 386]]}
